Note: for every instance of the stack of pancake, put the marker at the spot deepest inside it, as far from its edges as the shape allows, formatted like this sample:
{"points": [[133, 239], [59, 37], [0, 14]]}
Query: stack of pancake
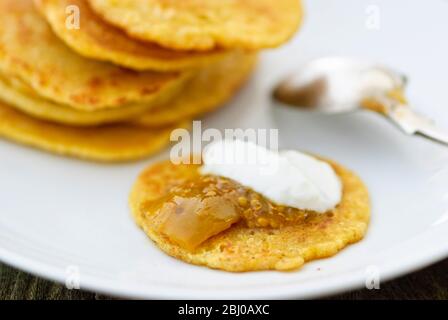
{"points": [[109, 80]]}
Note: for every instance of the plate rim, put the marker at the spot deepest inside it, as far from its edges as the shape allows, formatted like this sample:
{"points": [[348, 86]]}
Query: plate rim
{"points": [[336, 284]]}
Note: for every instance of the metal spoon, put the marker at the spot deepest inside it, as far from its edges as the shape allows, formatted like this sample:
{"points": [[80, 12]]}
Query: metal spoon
{"points": [[338, 85]]}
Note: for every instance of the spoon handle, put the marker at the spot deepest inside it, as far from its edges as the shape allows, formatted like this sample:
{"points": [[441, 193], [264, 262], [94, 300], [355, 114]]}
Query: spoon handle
{"points": [[413, 123]]}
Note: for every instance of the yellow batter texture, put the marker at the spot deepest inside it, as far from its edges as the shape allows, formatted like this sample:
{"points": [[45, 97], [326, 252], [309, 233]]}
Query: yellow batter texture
{"points": [[205, 24], [20, 96], [112, 143], [242, 248], [98, 40], [209, 88], [29, 50]]}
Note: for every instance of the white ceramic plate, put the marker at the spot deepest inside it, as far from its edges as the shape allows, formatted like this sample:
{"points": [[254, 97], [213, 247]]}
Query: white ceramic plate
{"points": [[67, 219]]}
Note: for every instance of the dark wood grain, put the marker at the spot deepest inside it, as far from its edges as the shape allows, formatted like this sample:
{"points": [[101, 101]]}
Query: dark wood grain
{"points": [[429, 283]]}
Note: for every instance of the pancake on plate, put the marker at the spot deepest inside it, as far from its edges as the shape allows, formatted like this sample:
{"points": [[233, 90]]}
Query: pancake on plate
{"points": [[99, 40], [264, 236], [209, 88], [204, 24], [31, 52], [112, 143]]}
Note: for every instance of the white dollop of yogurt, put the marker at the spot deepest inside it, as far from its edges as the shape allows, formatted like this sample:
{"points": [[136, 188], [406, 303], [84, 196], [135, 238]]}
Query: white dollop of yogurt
{"points": [[289, 178]]}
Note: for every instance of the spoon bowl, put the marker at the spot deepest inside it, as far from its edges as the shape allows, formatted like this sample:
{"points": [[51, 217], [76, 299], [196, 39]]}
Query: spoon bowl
{"points": [[335, 85]]}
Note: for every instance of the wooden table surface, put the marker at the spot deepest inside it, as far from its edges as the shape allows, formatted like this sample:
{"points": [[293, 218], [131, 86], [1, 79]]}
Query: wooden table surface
{"points": [[429, 283]]}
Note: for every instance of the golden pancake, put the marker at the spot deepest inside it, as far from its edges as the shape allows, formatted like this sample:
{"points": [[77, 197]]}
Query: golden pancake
{"points": [[99, 40], [204, 24], [20, 96], [113, 143], [210, 88], [244, 248], [30, 51]]}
